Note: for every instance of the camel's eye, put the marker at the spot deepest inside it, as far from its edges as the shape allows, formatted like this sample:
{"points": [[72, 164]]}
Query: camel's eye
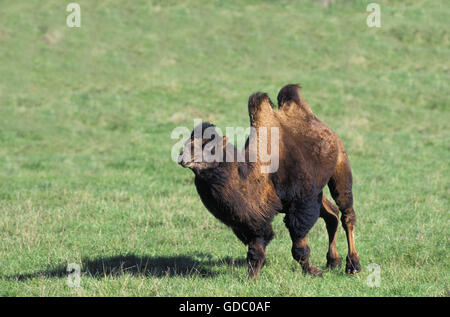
{"points": [[205, 141]]}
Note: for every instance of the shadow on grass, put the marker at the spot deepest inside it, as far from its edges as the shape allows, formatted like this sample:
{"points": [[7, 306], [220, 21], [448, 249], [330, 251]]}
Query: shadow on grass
{"points": [[161, 266]]}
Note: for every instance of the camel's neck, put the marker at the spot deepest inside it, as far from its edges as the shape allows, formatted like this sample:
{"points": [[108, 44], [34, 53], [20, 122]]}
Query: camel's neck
{"points": [[236, 164]]}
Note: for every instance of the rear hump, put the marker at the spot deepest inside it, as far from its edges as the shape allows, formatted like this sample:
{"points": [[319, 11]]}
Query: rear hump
{"points": [[289, 93]]}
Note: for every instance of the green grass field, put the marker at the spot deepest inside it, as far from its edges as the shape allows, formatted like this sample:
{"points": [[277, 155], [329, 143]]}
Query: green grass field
{"points": [[86, 115]]}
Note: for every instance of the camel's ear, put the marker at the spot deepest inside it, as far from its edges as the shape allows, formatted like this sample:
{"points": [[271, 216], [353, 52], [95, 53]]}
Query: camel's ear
{"points": [[287, 94]]}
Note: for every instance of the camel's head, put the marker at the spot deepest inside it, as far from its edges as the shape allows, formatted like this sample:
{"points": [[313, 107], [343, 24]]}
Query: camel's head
{"points": [[204, 149]]}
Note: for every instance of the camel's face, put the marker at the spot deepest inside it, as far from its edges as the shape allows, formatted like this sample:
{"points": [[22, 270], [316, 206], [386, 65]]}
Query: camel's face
{"points": [[203, 151]]}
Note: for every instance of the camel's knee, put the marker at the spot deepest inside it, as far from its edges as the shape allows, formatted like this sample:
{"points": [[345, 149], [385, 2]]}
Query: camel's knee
{"points": [[256, 258], [328, 207], [348, 218], [331, 218], [256, 251], [301, 254], [344, 200], [341, 193]]}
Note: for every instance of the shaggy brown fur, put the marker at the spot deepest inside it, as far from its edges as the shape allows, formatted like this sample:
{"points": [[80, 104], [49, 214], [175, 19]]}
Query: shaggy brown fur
{"points": [[236, 193], [310, 157]]}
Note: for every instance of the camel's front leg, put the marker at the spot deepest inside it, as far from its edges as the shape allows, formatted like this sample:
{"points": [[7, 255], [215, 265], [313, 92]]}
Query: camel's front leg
{"points": [[256, 256], [299, 221]]}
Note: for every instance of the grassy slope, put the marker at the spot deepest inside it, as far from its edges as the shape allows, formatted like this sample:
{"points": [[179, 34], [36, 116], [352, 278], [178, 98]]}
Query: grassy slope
{"points": [[85, 122]]}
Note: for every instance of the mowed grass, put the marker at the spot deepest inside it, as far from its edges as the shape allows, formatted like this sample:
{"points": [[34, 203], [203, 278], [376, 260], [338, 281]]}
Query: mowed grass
{"points": [[86, 115]]}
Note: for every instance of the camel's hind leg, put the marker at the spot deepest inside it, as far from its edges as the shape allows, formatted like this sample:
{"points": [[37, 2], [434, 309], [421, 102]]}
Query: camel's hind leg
{"points": [[340, 186], [330, 214]]}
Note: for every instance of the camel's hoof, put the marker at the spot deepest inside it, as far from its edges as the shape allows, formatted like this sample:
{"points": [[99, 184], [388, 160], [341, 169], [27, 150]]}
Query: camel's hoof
{"points": [[312, 270], [352, 266], [334, 263]]}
